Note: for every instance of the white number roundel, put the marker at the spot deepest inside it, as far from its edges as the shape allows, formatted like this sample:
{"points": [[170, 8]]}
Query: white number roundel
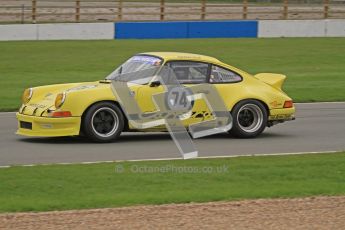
{"points": [[177, 99]]}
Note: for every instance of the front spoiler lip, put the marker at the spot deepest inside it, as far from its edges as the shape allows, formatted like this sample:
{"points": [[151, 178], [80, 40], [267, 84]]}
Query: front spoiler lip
{"points": [[49, 127]]}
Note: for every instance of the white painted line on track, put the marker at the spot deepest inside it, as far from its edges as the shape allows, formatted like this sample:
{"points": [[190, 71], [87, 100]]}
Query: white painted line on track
{"points": [[319, 103], [96, 162], [168, 159], [5, 166], [230, 156], [8, 112]]}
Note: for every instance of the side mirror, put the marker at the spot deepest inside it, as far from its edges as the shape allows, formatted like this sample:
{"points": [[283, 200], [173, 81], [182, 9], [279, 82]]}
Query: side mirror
{"points": [[155, 84]]}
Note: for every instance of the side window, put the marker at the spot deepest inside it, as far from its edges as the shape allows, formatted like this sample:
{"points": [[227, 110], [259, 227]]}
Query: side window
{"points": [[189, 71], [221, 75]]}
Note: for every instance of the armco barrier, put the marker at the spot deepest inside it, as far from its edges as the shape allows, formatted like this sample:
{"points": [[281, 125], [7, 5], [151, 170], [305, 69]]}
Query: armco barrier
{"points": [[193, 29]]}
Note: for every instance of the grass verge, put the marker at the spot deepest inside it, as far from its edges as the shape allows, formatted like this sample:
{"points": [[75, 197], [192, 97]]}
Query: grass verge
{"points": [[314, 66], [61, 187]]}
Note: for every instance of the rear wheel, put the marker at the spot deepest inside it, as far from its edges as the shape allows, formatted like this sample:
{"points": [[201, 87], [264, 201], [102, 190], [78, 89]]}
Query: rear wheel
{"points": [[249, 119], [103, 122]]}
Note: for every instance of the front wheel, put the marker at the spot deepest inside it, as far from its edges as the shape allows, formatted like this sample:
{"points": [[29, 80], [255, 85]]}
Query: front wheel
{"points": [[103, 122], [249, 119]]}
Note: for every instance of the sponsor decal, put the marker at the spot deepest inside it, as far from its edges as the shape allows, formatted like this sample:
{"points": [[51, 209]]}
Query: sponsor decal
{"points": [[38, 106], [148, 59], [82, 87]]}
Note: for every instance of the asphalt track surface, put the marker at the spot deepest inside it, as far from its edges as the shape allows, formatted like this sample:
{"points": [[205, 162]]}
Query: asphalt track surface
{"points": [[319, 127]]}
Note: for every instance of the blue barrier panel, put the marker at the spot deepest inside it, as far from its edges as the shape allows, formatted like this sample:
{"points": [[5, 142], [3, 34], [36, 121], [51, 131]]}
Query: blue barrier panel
{"points": [[223, 29], [192, 29], [140, 30]]}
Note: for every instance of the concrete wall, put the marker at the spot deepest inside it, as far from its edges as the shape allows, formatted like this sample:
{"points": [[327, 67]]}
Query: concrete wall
{"points": [[291, 28], [301, 28], [335, 28], [65, 31], [18, 32], [74, 31], [191, 29]]}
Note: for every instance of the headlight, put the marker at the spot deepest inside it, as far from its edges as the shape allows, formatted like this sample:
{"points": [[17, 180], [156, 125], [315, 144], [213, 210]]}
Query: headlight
{"points": [[27, 95], [60, 99]]}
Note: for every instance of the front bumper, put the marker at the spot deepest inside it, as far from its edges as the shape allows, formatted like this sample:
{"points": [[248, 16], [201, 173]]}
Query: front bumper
{"points": [[47, 126]]}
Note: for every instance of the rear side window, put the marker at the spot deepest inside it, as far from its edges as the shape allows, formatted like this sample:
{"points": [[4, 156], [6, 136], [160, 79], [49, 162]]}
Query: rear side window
{"points": [[221, 75], [189, 72]]}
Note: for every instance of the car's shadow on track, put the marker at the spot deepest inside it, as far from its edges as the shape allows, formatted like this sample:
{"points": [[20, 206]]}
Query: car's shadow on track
{"points": [[138, 137], [127, 137]]}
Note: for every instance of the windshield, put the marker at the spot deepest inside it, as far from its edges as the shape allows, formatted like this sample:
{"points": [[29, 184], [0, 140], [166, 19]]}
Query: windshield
{"points": [[138, 69]]}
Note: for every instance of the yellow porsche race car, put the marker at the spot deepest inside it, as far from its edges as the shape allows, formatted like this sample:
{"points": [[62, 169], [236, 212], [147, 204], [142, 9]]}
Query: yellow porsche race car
{"points": [[92, 109]]}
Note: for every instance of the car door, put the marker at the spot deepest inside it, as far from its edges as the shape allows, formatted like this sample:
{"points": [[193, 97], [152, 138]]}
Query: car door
{"points": [[187, 73]]}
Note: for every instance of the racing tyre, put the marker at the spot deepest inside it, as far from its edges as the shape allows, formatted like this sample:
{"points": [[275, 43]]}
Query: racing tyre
{"points": [[103, 122], [249, 119]]}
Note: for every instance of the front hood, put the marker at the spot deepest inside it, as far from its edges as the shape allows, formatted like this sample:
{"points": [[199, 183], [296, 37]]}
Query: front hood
{"points": [[44, 96], [43, 99]]}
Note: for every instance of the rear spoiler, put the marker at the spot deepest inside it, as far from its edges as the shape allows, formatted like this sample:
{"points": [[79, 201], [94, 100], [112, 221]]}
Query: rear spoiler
{"points": [[273, 79]]}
